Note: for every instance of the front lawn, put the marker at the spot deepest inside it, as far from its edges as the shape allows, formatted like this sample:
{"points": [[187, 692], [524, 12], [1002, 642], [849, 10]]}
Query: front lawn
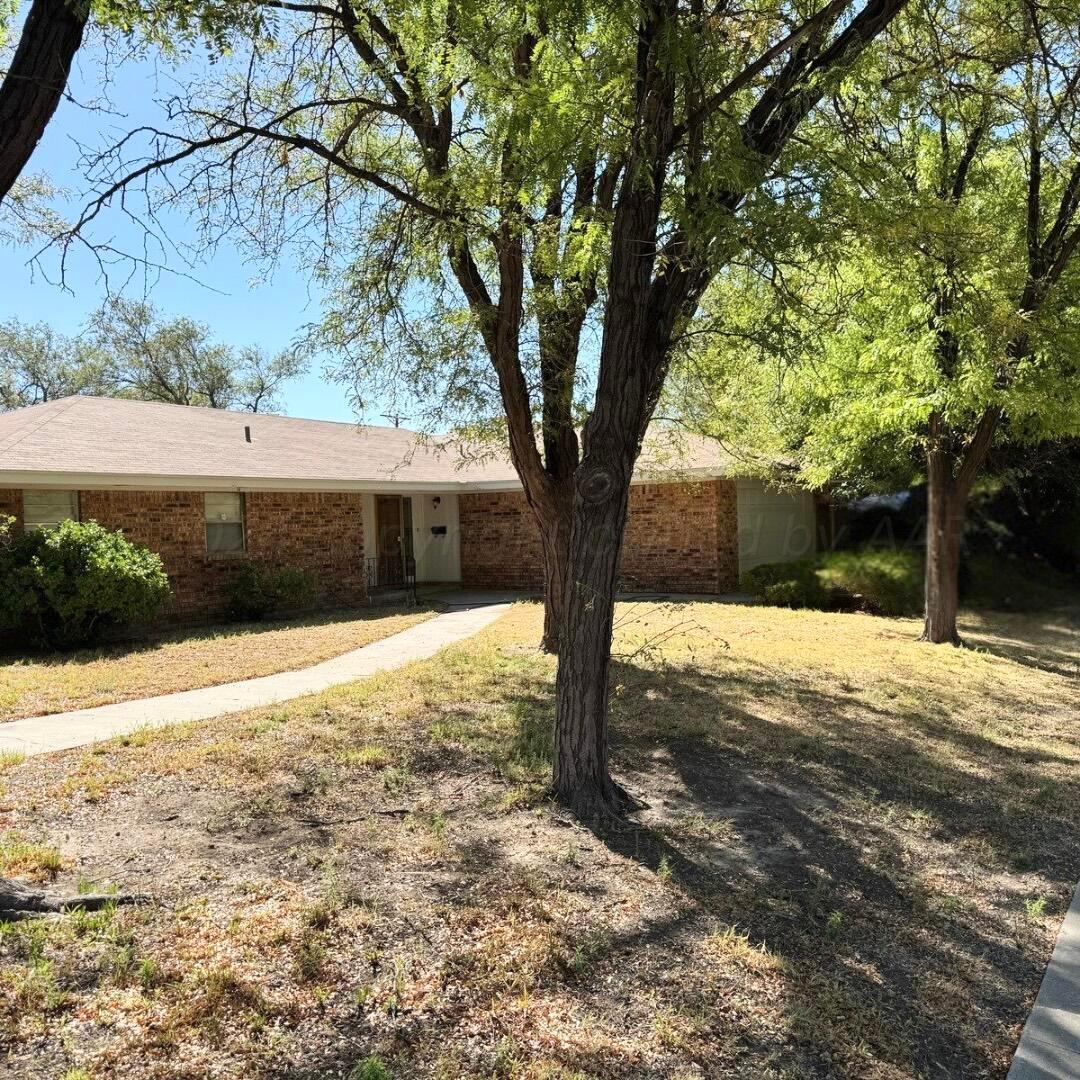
{"points": [[855, 855], [36, 683]]}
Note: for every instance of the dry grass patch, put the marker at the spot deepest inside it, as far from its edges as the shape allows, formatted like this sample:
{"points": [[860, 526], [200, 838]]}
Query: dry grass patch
{"points": [[853, 858], [34, 685], [24, 858]]}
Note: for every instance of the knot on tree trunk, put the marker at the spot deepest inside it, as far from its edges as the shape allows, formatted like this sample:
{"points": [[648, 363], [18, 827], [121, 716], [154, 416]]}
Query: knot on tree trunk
{"points": [[596, 485]]}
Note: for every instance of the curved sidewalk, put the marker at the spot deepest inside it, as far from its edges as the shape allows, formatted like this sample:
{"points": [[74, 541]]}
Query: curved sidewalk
{"points": [[61, 731], [1050, 1044]]}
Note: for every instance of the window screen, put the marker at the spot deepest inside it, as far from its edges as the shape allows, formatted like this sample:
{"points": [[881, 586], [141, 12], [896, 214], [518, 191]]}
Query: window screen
{"points": [[224, 523], [46, 509]]}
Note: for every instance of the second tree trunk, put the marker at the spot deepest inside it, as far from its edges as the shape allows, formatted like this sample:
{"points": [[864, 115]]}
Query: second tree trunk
{"points": [[944, 534]]}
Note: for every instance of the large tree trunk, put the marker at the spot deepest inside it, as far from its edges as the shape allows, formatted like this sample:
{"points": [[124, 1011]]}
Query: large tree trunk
{"points": [[580, 775], [949, 476], [944, 532], [36, 79]]}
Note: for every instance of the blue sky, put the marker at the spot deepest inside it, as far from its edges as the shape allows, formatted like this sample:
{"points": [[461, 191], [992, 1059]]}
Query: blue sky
{"points": [[240, 306]]}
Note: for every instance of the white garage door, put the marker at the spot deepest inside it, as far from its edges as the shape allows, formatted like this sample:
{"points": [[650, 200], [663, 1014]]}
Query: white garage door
{"points": [[774, 526]]}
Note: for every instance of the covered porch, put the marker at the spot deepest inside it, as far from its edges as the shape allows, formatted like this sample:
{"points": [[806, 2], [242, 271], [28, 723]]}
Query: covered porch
{"points": [[411, 541]]}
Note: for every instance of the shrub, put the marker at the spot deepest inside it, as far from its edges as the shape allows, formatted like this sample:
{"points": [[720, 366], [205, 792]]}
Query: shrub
{"points": [[792, 584], [874, 579], [1004, 583], [879, 580], [79, 583], [258, 590], [16, 595]]}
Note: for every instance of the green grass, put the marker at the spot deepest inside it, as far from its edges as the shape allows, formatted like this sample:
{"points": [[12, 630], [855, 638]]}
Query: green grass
{"points": [[25, 858]]}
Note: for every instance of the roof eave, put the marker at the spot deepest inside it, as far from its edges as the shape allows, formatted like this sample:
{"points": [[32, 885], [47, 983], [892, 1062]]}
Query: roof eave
{"points": [[87, 481]]}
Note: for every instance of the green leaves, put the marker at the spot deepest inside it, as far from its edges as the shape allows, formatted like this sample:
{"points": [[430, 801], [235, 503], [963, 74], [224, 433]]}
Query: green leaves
{"points": [[75, 583], [914, 284]]}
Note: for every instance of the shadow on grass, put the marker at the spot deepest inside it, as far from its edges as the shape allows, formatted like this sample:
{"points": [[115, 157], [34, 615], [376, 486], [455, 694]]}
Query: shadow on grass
{"points": [[853, 852], [883, 856], [1050, 646], [882, 853]]}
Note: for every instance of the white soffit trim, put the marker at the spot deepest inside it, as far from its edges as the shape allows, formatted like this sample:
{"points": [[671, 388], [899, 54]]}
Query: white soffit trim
{"points": [[134, 482]]}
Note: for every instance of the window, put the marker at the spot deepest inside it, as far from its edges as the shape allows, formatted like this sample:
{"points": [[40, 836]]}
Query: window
{"points": [[46, 509], [224, 523]]}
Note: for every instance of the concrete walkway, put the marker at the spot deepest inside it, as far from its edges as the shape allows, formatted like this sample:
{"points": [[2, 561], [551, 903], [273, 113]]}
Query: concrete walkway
{"points": [[1050, 1044], [61, 731]]}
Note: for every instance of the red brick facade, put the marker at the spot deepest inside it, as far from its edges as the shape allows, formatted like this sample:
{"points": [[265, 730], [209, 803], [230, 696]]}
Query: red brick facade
{"points": [[320, 532], [500, 544], [679, 538]]}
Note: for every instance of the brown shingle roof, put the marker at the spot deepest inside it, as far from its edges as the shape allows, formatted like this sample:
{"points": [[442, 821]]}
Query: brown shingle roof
{"points": [[93, 441]]}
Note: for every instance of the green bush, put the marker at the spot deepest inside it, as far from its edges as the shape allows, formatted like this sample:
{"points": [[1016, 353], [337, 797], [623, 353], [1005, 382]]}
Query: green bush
{"points": [[78, 583], [1004, 583], [258, 590], [874, 579], [792, 584], [16, 595]]}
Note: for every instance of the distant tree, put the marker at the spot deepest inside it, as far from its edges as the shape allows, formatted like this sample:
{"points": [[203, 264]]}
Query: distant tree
{"points": [[37, 364], [130, 351], [936, 310], [178, 361], [484, 188]]}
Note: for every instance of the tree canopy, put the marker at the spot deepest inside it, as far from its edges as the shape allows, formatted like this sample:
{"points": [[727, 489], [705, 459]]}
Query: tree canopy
{"points": [[938, 274], [510, 203], [929, 307], [129, 350]]}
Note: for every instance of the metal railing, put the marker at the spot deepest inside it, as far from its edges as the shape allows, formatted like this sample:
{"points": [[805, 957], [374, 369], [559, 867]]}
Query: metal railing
{"points": [[390, 575]]}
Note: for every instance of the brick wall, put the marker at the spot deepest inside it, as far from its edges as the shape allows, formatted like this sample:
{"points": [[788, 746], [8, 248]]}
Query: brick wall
{"points": [[500, 544], [679, 537], [321, 532]]}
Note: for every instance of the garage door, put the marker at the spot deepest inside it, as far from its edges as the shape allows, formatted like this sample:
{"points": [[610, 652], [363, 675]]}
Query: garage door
{"points": [[774, 526]]}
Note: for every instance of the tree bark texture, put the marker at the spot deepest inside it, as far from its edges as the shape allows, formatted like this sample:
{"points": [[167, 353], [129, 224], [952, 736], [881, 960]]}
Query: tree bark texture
{"points": [[36, 80], [19, 901], [555, 541], [582, 780], [949, 476], [944, 533]]}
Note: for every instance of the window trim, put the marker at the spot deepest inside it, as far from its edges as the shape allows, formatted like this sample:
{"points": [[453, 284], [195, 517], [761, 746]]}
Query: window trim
{"points": [[236, 553], [28, 526]]}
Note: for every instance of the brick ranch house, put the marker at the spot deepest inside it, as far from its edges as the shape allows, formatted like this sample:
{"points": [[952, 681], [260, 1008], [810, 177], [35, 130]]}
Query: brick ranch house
{"points": [[206, 487]]}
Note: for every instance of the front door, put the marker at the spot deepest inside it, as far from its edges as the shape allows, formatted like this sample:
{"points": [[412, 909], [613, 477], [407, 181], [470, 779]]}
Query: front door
{"points": [[389, 532]]}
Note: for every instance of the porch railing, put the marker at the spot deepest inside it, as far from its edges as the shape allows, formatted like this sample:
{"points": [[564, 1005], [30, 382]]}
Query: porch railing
{"points": [[388, 575]]}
